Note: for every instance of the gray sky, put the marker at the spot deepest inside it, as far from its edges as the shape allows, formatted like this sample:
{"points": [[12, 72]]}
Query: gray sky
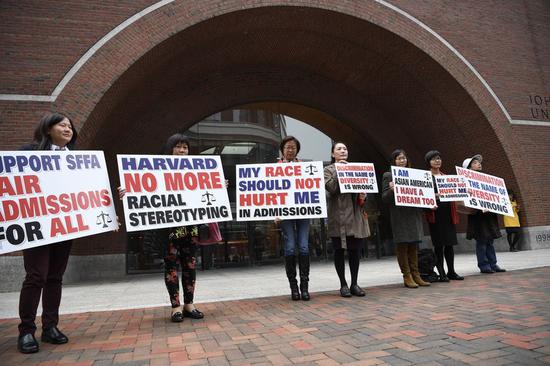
{"points": [[314, 144]]}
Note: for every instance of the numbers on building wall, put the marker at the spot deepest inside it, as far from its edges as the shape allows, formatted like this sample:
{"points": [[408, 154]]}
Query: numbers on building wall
{"points": [[544, 237]]}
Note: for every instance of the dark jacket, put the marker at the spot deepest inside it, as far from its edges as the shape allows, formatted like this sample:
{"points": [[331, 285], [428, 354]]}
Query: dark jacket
{"points": [[345, 214], [406, 222], [483, 226]]}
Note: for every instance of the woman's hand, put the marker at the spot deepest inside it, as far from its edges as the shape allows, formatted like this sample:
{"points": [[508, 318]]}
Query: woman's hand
{"points": [[392, 186], [119, 224], [227, 183], [121, 193]]}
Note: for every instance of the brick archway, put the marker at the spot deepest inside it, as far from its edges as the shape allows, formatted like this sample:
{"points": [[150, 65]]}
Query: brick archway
{"points": [[384, 79], [378, 72]]}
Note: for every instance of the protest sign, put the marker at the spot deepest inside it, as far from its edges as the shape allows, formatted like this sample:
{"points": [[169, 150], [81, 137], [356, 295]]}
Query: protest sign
{"points": [[169, 191], [413, 187], [285, 191], [53, 196], [356, 178], [451, 188], [486, 192]]}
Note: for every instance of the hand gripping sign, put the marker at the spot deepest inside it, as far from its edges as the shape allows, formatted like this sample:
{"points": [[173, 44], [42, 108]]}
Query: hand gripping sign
{"points": [[486, 192], [169, 191], [284, 191], [356, 178], [52, 196], [451, 188], [413, 187]]}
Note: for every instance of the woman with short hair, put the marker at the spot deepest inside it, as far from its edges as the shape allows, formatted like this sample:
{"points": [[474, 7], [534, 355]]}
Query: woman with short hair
{"points": [[295, 232], [442, 221]]}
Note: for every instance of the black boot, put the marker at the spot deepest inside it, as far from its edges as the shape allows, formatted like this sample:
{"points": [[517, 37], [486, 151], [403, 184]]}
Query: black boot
{"points": [[303, 260], [290, 266]]}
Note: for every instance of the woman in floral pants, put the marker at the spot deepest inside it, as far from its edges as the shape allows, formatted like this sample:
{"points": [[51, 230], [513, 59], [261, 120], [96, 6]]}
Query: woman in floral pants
{"points": [[181, 248]]}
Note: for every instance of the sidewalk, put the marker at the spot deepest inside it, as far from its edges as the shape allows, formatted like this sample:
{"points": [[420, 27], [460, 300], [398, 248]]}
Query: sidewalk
{"points": [[492, 319], [146, 291]]}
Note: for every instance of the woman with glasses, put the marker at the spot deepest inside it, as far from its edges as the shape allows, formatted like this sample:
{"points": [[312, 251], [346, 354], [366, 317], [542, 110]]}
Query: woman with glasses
{"points": [[295, 232], [406, 225], [442, 221]]}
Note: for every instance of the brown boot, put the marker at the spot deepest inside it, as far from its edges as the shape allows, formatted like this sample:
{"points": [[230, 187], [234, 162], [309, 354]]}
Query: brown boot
{"points": [[401, 254], [412, 251]]}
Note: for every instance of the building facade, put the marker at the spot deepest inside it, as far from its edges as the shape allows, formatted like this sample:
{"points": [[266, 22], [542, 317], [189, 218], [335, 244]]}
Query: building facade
{"points": [[462, 77]]}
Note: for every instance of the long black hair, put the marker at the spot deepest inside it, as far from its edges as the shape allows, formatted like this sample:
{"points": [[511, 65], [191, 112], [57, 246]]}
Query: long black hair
{"points": [[42, 132], [173, 140]]}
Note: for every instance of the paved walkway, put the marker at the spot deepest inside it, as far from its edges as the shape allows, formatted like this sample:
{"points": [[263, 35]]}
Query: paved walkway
{"points": [[492, 319]]}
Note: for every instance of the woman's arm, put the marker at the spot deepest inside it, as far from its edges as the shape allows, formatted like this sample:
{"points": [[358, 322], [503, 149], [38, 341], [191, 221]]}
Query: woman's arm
{"points": [[331, 180], [387, 188]]}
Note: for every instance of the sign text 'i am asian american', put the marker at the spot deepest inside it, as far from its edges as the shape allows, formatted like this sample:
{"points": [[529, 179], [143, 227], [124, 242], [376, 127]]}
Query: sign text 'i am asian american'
{"points": [[48, 197], [284, 191], [413, 187], [169, 191]]}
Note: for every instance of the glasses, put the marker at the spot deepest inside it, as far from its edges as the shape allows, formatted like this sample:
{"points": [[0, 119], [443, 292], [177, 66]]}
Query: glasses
{"points": [[401, 158], [290, 148], [436, 158]]}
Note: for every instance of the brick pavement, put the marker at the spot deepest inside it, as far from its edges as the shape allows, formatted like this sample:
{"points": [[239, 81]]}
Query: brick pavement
{"points": [[500, 319]]}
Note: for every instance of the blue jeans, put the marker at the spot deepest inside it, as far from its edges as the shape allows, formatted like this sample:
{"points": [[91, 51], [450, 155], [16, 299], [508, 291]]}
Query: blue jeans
{"points": [[296, 231], [486, 255]]}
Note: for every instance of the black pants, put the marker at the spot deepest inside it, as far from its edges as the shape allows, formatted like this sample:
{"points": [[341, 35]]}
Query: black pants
{"points": [[182, 251], [45, 267]]}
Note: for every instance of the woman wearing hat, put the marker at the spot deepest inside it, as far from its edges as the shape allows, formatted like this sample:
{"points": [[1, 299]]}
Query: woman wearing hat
{"points": [[442, 221], [483, 227], [406, 223]]}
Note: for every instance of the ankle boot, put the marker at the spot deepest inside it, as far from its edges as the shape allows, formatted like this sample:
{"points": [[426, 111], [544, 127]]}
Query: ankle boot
{"points": [[290, 266], [412, 252], [401, 254], [303, 261]]}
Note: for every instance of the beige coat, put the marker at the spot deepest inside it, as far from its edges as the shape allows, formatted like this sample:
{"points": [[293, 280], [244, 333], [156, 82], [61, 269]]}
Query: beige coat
{"points": [[345, 216]]}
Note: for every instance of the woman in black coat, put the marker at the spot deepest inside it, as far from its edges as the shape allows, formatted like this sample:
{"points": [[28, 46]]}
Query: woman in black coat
{"points": [[45, 265], [406, 225]]}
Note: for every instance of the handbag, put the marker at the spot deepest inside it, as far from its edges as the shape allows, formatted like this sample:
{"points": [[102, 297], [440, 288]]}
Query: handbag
{"points": [[210, 236]]}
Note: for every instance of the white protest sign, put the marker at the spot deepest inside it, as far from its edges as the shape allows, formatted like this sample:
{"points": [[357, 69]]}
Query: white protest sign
{"points": [[451, 188], [281, 190], [356, 178], [169, 191], [53, 196], [413, 187], [486, 192]]}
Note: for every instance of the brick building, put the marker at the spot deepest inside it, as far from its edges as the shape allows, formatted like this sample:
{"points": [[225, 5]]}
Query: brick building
{"points": [[463, 77]]}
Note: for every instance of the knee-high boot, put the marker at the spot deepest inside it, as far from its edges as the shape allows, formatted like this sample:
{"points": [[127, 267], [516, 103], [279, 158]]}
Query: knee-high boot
{"points": [[303, 261], [412, 252], [290, 266], [403, 261]]}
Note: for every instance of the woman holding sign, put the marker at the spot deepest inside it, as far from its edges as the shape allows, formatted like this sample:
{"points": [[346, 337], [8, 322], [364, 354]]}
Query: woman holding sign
{"points": [[347, 223], [442, 221], [483, 227], [180, 247], [45, 265], [295, 232], [406, 225]]}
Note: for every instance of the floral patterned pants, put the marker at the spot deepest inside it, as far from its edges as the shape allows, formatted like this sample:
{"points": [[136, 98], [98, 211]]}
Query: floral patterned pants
{"points": [[182, 251]]}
